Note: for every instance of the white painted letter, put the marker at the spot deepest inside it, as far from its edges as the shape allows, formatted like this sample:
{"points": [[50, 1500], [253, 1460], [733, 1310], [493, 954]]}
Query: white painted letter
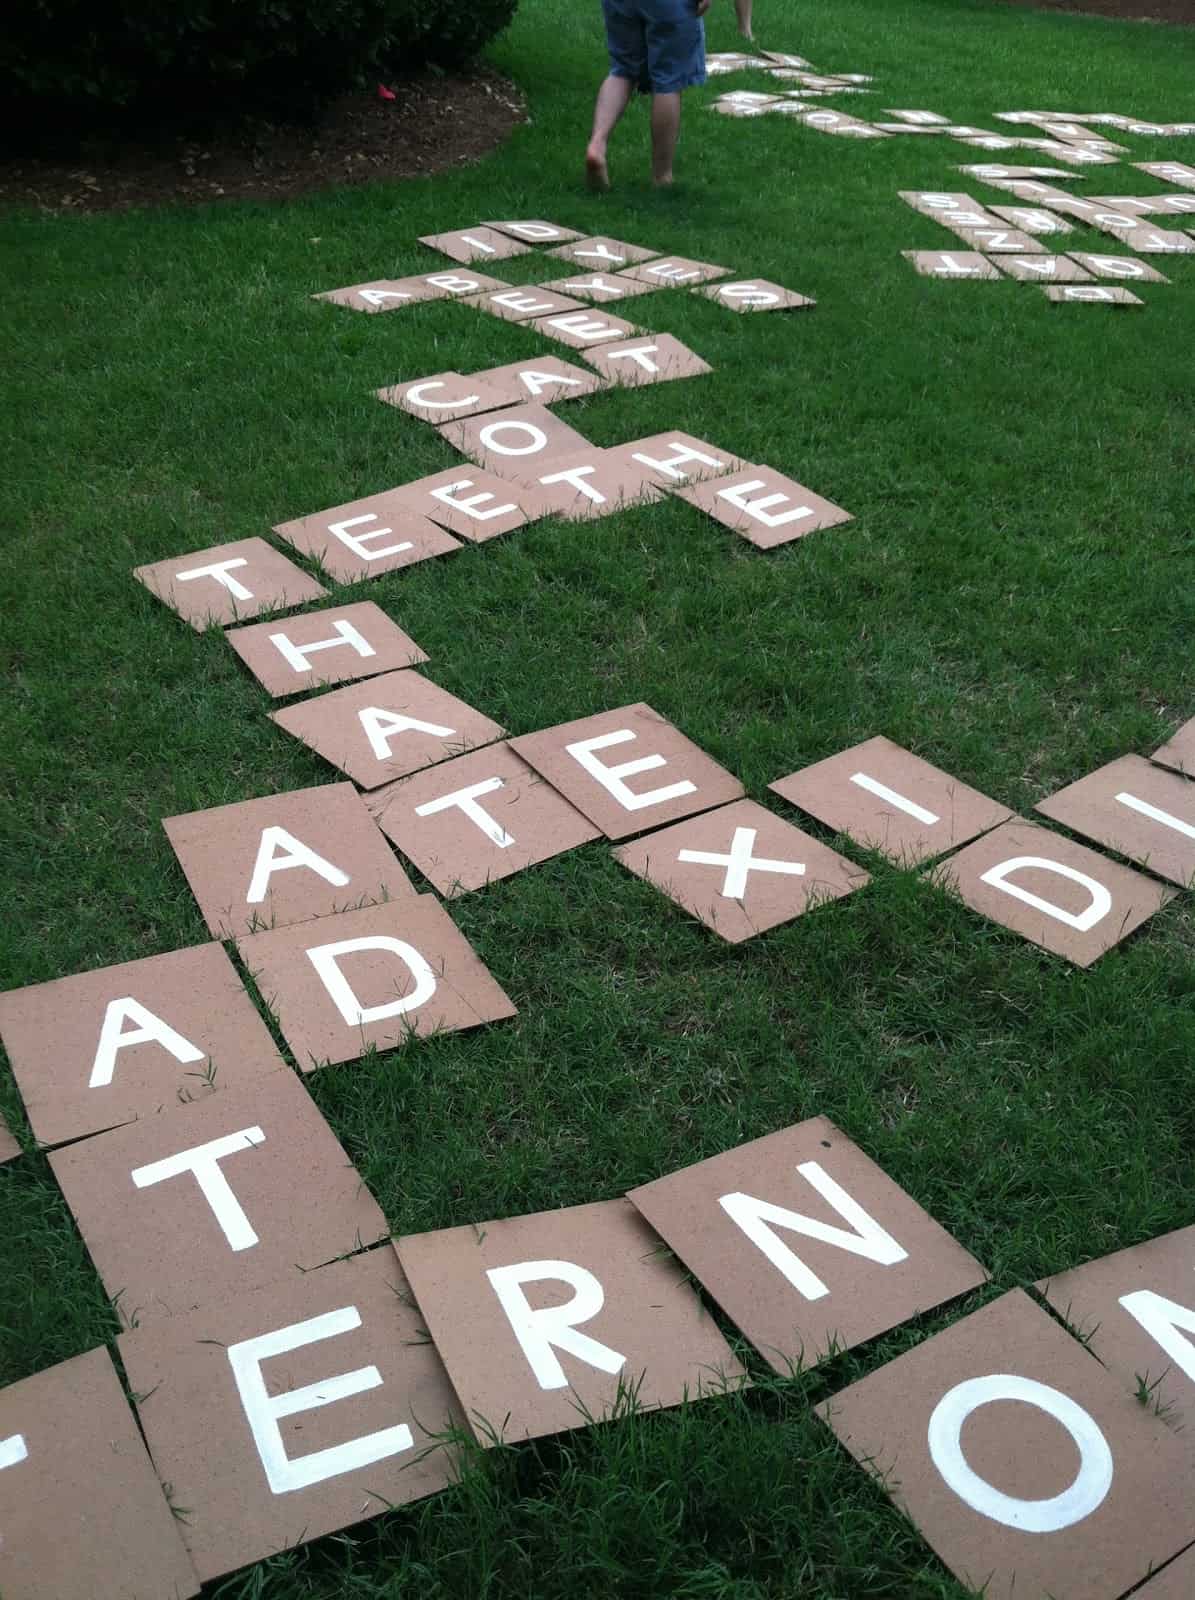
{"points": [[740, 862], [204, 1162], [576, 476], [538, 1331], [466, 801], [611, 778], [148, 1026], [890, 797], [415, 394], [382, 727], [680, 454], [520, 430], [219, 570], [1161, 1319], [446, 494], [356, 542], [323, 958], [1082, 922], [344, 633], [759, 508], [1155, 814], [297, 855]]}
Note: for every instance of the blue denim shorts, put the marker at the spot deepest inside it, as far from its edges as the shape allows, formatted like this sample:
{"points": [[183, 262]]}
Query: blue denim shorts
{"points": [[658, 44]]}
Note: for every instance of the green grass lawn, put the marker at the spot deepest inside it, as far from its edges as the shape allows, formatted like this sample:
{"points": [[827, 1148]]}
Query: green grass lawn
{"points": [[1013, 602]]}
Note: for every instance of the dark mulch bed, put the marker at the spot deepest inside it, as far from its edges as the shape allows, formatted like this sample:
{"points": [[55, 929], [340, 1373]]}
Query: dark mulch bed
{"points": [[435, 122], [1181, 11]]}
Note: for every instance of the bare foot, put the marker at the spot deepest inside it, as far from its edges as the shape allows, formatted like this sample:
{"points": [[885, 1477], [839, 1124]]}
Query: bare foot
{"points": [[597, 174], [663, 183]]}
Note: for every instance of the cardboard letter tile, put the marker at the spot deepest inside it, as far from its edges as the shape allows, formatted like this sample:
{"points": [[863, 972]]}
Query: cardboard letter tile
{"points": [[1174, 1582], [478, 818], [1123, 267], [951, 264], [675, 272], [524, 304], [651, 358], [1179, 752], [81, 1507], [740, 869], [470, 502], [1032, 220], [670, 459], [1137, 810], [444, 396], [198, 1206], [996, 241], [284, 858], [229, 583], [1091, 294], [602, 288], [1056, 893], [10, 1147], [365, 538], [1135, 1311], [449, 285], [805, 1243], [388, 727], [590, 483], [550, 1321], [536, 232], [103, 1048], [1019, 1459], [545, 378], [580, 329], [322, 647], [475, 244], [507, 441], [602, 765], [374, 977], [292, 1412], [754, 294], [887, 799], [600, 254], [381, 294], [767, 508], [1176, 172], [1043, 269]]}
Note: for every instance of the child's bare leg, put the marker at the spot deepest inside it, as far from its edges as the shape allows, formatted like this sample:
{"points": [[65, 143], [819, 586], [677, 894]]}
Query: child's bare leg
{"points": [[665, 131], [613, 98], [743, 11]]}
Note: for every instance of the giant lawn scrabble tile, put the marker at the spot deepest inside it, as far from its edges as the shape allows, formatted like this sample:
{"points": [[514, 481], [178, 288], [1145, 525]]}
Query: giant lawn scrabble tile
{"points": [[294, 1411], [545, 378], [381, 294], [997, 240], [550, 1322], [1032, 219], [387, 727], [651, 358], [525, 304], [229, 583], [371, 979], [1135, 1311], [1176, 172], [741, 870], [1138, 810], [805, 1243], [104, 1048], [475, 244], [448, 285], [284, 858], [601, 254], [82, 1511], [1043, 269], [323, 647], [506, 442], [671, 459], [765, 507], [1091, 294], [198, 1205], [590, 483], [581, 329], [470, 502], [754, 294], [951, 264], [602, 765], [675, 272], [1121, 267], [1051, 891], [443, 397], [537, 232], [601, 289], [887, 799], [478, 818], [1023, 1462], [1179, 752], [363, 539]]}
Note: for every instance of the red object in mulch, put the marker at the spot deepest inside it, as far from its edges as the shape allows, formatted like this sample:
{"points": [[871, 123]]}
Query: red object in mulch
{"points": [[386, 94]]}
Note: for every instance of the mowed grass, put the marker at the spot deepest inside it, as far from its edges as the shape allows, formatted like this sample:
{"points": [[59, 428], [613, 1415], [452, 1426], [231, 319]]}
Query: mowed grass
{"points": [[1013, 602]]}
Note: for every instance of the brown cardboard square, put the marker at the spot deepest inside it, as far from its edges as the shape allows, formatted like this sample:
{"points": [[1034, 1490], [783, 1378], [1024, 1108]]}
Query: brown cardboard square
{"points": [[525, 304], [102, 1048], [670, 459], [1043, 269], [754, 294], [1135, 1311], [1136, 809], [449, 285], [257, 1438], [229, 583], [931, 118], [652, 358], [580, 329], [508, 441], [81, 1507], [905, 128], [1001, 176], [444, 396], [887, 799], [1073, 155], [285, 857], [367, 537], [475, 244], [380, 294], [478, 818], [1032, 219], [1175, 1581], [1098, 293], [996, 240], [549, 1322], [837, 122], [764, 506], [1019, 1459], [762, 1230], [545, 378], [1179, 752], [591, 760], [783, 58], [940, 203], [601, 254], [728, 107], [590, 483], [321, 647], [741, 870], [373, 978], [388, 727], [601, 288], [537, 232], [951, 264], [198, 1206], [1176, 172], [470, 502], [1146, 240], [1051, 891], [1139, 205], [676, 272], [9, 1145]]}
